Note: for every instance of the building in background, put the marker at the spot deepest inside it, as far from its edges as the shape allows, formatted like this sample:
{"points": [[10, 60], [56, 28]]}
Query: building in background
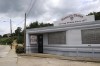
{"points": [[72, 35]]}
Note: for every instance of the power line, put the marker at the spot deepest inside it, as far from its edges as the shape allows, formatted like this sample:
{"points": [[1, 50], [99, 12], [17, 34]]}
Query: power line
{"points": [[31, 8], [20, 22], [27, 11]]}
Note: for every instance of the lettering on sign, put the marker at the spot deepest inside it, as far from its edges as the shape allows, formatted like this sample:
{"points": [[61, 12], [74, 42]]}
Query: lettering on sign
{"points": [[72, 16], [74, 19]]}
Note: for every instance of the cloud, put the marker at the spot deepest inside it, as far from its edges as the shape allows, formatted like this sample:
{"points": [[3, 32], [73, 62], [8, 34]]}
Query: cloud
{"points": [[11, 7], [90, 6], [52, 8], [44, 10]]}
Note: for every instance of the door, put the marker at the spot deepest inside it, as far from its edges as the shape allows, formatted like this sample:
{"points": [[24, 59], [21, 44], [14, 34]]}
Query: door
{"points": [[40, 43]]}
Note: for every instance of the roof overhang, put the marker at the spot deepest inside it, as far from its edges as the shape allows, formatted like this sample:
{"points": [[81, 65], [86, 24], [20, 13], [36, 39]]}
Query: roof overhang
{"points": [[88, 25]]}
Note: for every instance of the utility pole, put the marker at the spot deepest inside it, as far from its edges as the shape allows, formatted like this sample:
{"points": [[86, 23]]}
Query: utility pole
{"points": [[11, 27], [25, 34], [11, 31]]}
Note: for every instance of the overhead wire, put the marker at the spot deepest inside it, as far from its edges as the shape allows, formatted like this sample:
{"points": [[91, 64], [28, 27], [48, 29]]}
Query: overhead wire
{"points": [[33, 3], [29, 6], [27, 11]]}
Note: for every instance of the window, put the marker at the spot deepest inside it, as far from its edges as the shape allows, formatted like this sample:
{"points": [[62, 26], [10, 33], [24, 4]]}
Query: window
{"points": [[57, 38], [91, 36]]}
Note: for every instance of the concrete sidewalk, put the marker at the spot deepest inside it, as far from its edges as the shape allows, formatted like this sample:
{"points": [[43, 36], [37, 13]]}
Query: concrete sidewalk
{"points": [[10, 59]]}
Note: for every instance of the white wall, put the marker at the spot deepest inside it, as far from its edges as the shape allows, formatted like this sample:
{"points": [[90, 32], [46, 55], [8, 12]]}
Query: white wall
{"points": [[27, 43], [45, 39], [90, 18], [73, 37], [27, 40]]}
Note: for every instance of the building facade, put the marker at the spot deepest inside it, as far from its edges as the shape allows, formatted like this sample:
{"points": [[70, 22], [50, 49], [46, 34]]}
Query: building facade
{"points": [[73, 39]]}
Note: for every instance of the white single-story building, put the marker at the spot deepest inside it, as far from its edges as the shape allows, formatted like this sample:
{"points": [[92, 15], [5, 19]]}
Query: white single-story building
{"points": [[72, 35]]}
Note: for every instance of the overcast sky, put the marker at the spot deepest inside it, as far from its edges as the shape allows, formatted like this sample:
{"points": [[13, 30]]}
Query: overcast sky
{"points": [[42, 10]]}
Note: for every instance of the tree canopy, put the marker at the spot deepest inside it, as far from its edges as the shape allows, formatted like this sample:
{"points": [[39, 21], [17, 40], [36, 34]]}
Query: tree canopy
{"points": [[38, 25]]}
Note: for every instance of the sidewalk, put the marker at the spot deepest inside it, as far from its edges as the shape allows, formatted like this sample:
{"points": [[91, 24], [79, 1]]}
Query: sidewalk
{"points": [[10, 59]]}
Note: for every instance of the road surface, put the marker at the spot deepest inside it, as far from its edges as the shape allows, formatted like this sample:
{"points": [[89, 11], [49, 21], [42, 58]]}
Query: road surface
{"points": [[4, 49], [8, 57]]}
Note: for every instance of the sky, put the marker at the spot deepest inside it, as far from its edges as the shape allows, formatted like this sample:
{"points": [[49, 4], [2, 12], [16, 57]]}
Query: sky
{"points": [[45, 11]]}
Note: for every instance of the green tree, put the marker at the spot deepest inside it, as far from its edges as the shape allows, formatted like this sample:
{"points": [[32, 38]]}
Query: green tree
{"points": [[19, 34], [18, 31], [5, 35], [0, 36], [38, 25]]}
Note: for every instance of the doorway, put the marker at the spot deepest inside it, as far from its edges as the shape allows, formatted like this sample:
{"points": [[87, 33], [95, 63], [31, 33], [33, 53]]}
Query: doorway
{"points": [[40, 43]]}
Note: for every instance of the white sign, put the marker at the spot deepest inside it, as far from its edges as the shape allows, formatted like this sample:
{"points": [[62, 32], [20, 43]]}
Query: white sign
{"points": [[33, 39], [74, 18]]}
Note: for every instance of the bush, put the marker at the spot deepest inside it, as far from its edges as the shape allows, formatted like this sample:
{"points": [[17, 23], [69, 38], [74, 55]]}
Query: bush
{"points": [[5, 41], [19, 49]]}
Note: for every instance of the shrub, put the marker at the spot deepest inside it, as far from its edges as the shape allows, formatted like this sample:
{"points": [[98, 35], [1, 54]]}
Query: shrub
{"points": [[19, 49], [4, 41]]}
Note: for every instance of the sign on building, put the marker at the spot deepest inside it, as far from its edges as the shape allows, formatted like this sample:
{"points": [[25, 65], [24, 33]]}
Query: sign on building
{"points": [[33, 39], [73, 19]]}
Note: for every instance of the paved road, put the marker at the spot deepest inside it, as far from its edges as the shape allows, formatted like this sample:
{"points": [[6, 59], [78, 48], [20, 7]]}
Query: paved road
{"points": [[1, 47], [4, 49], [8, 57]]}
